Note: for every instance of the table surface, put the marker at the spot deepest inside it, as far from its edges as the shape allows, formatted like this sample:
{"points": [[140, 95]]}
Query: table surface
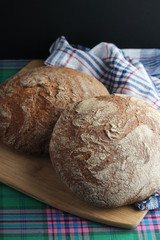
{"points": [[22, 217]]}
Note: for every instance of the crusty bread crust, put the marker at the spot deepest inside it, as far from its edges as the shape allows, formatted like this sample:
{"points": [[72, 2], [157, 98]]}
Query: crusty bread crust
{"points": [[31, 102], [107, 149]]}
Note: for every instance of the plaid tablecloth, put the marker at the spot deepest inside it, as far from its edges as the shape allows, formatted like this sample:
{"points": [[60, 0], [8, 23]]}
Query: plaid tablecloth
{"points": [[22, 217]]}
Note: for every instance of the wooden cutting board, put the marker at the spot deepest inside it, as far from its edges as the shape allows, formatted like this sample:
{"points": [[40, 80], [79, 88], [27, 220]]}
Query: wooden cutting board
{"points": [[36, 177]]}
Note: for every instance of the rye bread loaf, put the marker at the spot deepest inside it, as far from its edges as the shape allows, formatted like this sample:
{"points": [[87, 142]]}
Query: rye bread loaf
{"points": [[107, 149], [31, 102]]}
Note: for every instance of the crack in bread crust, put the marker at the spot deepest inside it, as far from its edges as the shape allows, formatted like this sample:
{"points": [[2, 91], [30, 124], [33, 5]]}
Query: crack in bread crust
{"points": [[107, 149], [31, 102]]}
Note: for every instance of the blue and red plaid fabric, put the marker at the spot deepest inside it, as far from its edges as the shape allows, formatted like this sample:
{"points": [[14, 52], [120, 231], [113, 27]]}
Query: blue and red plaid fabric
{"points": [[121, 71], [134, 72]]}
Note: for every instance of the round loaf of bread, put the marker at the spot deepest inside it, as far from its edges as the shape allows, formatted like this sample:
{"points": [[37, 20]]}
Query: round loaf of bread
{"points": [[31, 102], [107, 149]]}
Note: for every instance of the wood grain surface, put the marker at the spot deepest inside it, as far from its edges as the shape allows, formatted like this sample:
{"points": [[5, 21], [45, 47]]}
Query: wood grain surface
{"points": [[35, 176]]}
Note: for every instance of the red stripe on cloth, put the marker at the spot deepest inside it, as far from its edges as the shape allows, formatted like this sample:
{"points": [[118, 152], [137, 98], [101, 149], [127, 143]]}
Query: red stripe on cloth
{"points": [[120, 60], [71, 55], [135, 70], [107, 50], [156, 80], [150, 222], [61, 222], [154, 103], [79, 61]]}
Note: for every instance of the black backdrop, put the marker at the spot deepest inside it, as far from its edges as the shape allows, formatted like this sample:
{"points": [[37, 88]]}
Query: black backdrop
{"points": [[28, 28]]}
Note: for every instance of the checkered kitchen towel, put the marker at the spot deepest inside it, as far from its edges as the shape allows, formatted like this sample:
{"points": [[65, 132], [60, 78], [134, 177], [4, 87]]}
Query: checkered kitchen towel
{"points": [[133, 72]]}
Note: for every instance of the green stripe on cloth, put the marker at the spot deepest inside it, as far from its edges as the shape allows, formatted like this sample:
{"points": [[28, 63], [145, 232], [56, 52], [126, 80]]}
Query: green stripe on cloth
{"points": [[38, 236], [10, 67], [22, 217], [9, 196], [5, 75]]}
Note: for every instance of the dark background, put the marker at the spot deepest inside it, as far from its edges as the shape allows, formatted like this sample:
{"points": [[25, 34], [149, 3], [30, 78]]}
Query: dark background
{"points": [[28, 28]]}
